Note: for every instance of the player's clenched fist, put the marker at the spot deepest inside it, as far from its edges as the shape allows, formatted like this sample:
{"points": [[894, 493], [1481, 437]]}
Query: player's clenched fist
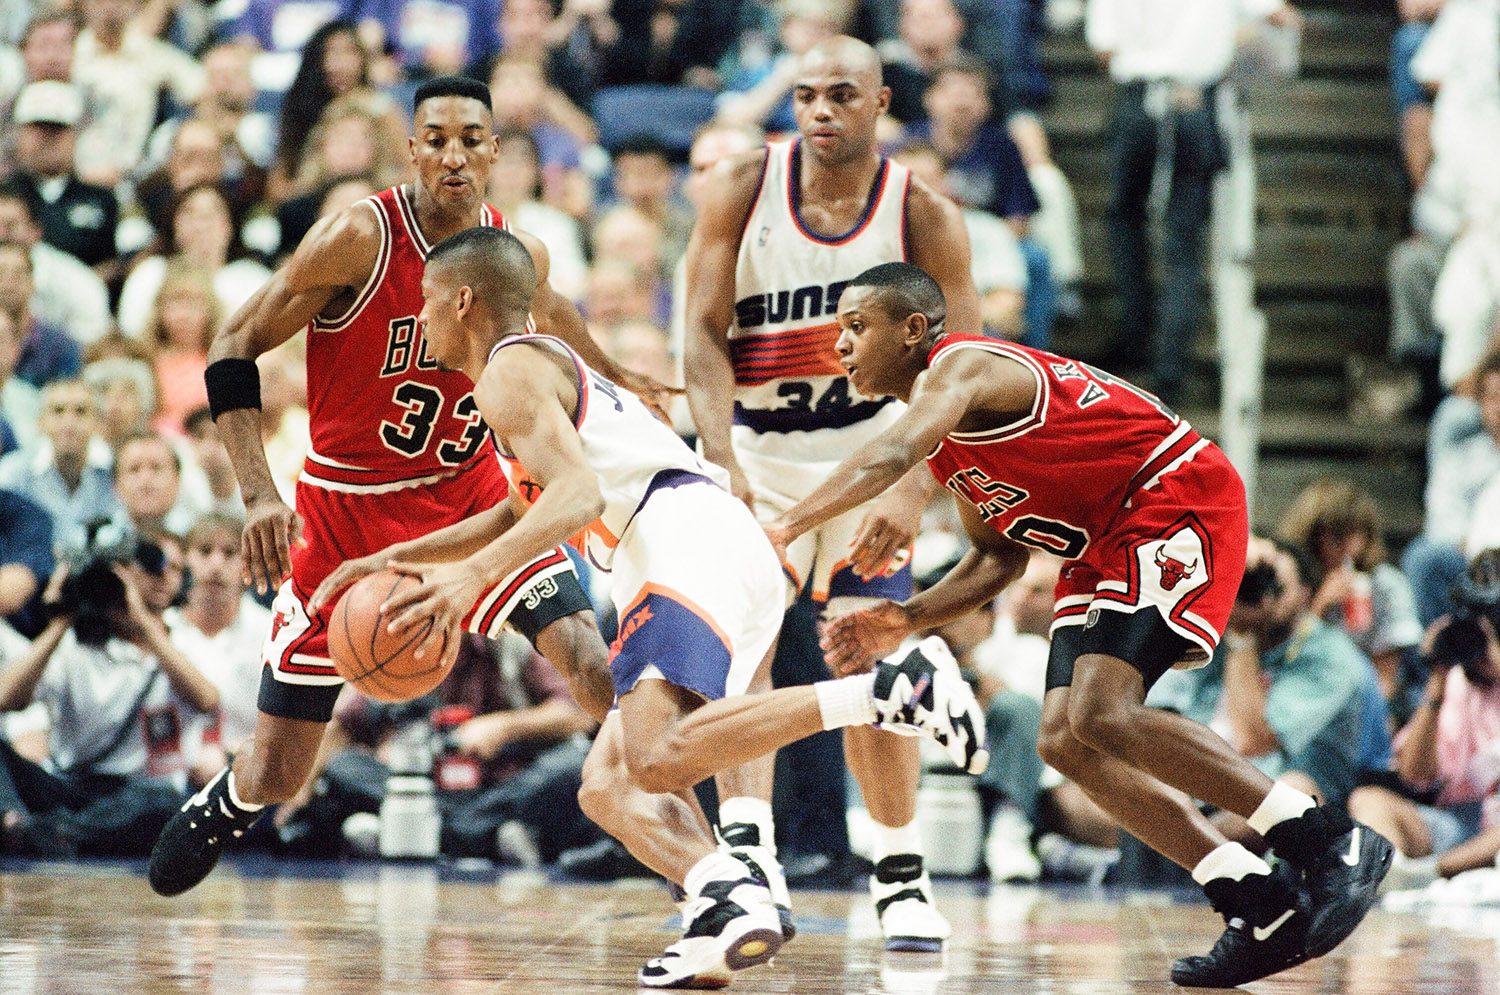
{"points": [[270, 529], [853, 642]]}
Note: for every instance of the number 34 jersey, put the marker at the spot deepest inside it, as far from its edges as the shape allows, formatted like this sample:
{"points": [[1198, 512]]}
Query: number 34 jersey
{"points": [[792, 399], [1065, 473], [383, 416]]}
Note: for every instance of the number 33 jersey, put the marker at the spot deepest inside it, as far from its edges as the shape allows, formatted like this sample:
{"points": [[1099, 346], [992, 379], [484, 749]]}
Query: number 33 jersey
{"points": [[1063, 475], [792, 398], [383, 416]]}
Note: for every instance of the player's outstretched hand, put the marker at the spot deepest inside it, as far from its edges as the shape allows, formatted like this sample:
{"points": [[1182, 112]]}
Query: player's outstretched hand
{"points": [[445, 594], [344, 574], [883, 541], [853, 642], [266, 552]]}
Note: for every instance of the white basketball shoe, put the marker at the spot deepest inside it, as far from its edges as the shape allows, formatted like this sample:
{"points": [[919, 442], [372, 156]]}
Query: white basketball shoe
{"points": [[903, 900], [730, 926], [923, 692]]}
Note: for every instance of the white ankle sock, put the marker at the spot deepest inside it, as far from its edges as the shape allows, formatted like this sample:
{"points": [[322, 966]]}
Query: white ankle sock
{"points": [[847, 701], [1230, 860], [234, 798], [717, 866], [888, 840], [753, 812], [1283, 802]]}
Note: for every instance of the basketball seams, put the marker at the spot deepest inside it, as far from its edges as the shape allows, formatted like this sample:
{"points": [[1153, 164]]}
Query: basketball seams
{"points": [[367, 668]]}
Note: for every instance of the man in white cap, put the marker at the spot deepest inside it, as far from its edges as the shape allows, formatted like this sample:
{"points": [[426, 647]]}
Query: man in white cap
{"points": [[74, 216]]}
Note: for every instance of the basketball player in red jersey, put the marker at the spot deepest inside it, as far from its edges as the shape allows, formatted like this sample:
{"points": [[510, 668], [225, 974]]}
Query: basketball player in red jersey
{"points": [[779, 233], [1049, 453], [398, 449]]}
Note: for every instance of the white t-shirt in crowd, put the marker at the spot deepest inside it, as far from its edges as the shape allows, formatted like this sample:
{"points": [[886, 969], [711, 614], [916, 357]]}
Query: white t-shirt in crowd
{"points": [[1189, 41], [231, 660], [89, 693]]}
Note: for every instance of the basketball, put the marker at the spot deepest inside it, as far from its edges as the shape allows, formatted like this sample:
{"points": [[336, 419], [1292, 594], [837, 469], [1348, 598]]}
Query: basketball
{"points": [[380, 664]]}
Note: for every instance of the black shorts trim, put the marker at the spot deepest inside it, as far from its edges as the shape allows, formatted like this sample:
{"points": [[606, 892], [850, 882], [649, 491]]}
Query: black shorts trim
{"points": [[1142, 639], [308, 702], [556, 597]]}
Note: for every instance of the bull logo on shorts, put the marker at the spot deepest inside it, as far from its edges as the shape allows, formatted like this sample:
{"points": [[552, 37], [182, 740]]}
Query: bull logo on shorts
{"points": [[1173, 571], [278, 621]]}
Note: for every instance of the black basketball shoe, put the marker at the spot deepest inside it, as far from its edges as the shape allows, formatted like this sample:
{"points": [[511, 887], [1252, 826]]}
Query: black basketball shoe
{"points": [[190, 844], [1266, 920], [1343, 862]]}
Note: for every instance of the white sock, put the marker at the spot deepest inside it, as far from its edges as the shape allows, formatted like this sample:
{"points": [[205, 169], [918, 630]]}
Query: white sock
{"points": [[888, 840], [1283, 802], [234, 798], [752, 812], [717, 866], [848, 701], [1232, 861]]}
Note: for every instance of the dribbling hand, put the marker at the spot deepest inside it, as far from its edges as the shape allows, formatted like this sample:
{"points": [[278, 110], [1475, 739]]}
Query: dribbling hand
{"points": [[853, 642], [270, 529], [444, 595], [345, 574]]}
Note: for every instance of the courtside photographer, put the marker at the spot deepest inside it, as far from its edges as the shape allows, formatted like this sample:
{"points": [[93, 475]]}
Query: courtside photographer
{"points": [[117, 694], [1448, 755]]}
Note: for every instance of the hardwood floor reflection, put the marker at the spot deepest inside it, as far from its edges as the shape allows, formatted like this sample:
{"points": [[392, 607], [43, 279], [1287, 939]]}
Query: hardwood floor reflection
{"points": [[98, 928]]}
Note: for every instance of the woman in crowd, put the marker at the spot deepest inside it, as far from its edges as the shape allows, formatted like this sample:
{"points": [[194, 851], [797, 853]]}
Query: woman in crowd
{"points": [[203, 232]]}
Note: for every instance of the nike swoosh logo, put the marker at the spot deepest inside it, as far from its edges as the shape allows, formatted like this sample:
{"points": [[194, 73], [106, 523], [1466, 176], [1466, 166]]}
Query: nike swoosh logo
{"points": [[1352, 857], [1263, 933]]}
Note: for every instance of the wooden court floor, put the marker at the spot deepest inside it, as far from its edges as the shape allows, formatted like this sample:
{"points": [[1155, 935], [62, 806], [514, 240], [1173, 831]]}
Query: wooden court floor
{"points": [[97, 928]]}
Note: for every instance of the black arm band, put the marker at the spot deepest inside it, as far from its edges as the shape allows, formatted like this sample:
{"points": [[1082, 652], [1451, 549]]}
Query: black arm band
{"points": [[232, 384]]}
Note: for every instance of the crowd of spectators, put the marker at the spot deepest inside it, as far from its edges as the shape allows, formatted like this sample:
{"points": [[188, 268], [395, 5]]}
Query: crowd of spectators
{"points": [[158, 158]]}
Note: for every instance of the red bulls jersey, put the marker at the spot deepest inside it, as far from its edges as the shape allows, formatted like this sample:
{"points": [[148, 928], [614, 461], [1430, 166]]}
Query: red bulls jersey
{"points": [[384, 417], [1056, 478]]}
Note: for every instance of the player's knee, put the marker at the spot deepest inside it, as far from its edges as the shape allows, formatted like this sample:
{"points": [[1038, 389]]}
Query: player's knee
{"points": [[1057, 745], [658, 769], [1108, 728], [599, 794]]}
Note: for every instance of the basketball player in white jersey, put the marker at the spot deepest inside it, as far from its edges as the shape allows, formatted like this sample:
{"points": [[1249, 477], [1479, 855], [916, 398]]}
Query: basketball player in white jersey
{"points": [[779, 233], [697, 585]]}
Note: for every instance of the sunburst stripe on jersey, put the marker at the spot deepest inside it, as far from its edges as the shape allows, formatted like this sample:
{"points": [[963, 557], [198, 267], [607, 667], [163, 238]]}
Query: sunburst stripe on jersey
{"points": [[757, 342], [789, 420], [1034, 419], [377, 273], [806, 352]]}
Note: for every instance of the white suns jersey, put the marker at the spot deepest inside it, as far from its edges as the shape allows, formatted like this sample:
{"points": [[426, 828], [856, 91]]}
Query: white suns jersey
{"points": [[630, 450], [786, 289]]}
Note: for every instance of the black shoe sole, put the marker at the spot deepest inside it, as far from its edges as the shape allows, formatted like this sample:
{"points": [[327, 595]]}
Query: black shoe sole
{"points": [[914, 944], [1181, 978], [788, 927], [1332, 925]]}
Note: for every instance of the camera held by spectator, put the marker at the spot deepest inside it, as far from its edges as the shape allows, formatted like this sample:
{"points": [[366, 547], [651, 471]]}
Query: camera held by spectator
{"points": [[92, 593], [1464, 641]]}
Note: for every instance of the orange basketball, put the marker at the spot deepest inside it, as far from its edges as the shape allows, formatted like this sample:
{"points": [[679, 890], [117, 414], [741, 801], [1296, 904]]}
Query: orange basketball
{"points": [[380, 664]]}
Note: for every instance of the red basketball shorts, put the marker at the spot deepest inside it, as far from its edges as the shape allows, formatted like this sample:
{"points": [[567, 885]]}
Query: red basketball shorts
{"points": [[1176, 551]]}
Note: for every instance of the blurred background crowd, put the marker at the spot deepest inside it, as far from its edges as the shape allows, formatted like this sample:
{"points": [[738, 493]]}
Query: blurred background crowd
{"points": [[158, 158]]}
